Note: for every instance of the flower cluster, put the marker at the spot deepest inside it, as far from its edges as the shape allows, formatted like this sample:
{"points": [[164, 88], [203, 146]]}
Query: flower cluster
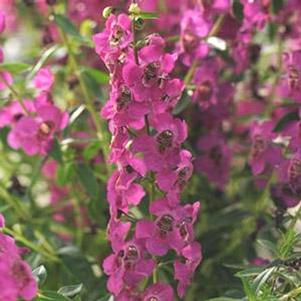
{"points": [[34, 124], [16, 276], [146, 148]]}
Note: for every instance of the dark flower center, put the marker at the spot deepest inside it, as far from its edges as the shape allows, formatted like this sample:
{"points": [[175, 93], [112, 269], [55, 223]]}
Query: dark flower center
{"points": [[258, 146], [45, 129], [216, 155], [116, 35], [164, 139], [190, 41], [17, 117], [152, 298], [294, 170], [165, 224], [124, 99], [150, 75], [205, 90], [132, 253], [129, 169], [293, 77]]}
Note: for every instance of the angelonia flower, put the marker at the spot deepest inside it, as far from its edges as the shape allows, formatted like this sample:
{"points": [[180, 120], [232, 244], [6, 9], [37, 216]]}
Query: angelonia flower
{"points": [[16, 280], [147, 149], [34, 123]]}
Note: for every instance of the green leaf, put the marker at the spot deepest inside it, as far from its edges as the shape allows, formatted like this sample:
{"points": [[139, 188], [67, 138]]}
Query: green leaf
{"points": [[43, 59], [250, 272], [277, 5], [92, 150], [14, 68], [223, 299], [87, 179], [71, 290], [238, 10], [51, 296], [182, 104], [148, 15], [68, 27], [249, 291], [98, 75], [40, 274], [291, 116], [56, 152], [76, 113], [268, 245], [105, 298], [261, 279]]}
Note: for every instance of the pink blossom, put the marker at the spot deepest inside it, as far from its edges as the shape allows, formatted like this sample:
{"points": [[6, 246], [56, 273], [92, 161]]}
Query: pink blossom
{"points": [[44, 79]]}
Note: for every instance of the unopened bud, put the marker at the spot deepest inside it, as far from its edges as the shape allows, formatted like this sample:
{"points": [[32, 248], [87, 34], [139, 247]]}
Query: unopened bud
{"points": [[107, 11], [134, 9]]}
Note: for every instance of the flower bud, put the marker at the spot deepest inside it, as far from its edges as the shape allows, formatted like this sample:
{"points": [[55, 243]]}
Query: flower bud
{"points": [[107, 11], [134, 9]]}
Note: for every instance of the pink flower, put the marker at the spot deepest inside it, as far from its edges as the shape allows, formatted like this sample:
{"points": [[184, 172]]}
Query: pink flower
{"points": [[123, 110], [127, 266], [2, 21], [16, 280], [263, 153], [44, 79], [158, 292], [194, 28], [34, 134], [172, 228], [215, 158], [147, 81], [116, 36], [184, 269]]}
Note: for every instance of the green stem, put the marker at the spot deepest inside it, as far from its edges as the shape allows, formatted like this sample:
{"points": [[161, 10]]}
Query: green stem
{"points": [[102, 136], [15, 94], [31, 245]]}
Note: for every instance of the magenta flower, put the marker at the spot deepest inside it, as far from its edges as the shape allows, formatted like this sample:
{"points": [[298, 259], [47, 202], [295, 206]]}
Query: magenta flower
{"points": [[2, 21], [116, 36], [44, 79], [290, 85], [206, 79], [158, 292], [16, 280], [172, 228], [147, 81], [215, 158], [194, 28], [184, 269], [120, 197], [123, 110], [263, 153], [34, 134], [127, 266]]}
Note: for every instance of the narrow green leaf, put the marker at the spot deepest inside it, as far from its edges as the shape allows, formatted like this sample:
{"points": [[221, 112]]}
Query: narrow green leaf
{"points": [[92, 150], [40, 274], [14, 68], [43, 59], [51, 296], [98, 75], [238, 10], [148, 15], [291, 116], [88, 179], [71, 290], [277, 5], [67, 26], [56, 152]]}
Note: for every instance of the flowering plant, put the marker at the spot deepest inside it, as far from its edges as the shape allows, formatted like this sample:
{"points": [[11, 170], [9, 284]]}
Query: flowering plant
{"points": [[151, 153]]}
